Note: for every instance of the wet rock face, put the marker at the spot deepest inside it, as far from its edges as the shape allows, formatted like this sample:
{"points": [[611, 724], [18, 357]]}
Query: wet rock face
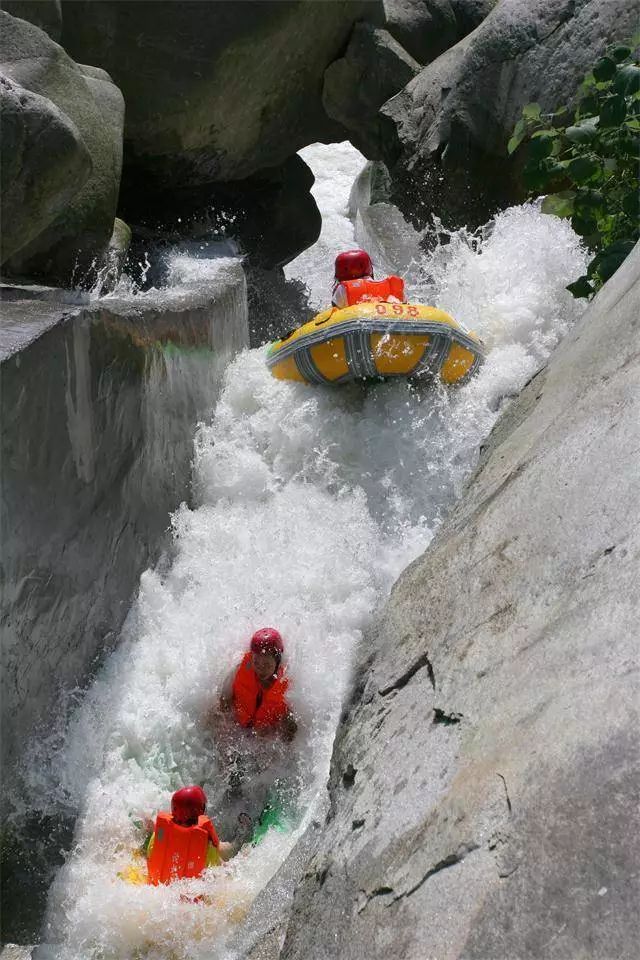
{"points": [[99, 405], [485, 780], [454, 120], [58, 229]]}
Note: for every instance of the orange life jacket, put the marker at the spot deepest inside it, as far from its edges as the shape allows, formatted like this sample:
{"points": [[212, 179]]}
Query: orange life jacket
{"points": [[359, 291], [253, 705], [179, 851]]}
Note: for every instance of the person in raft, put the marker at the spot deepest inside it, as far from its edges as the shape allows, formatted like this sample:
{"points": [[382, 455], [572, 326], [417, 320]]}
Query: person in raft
{"points": [[256, 691], [354, 282], [184, 842]]}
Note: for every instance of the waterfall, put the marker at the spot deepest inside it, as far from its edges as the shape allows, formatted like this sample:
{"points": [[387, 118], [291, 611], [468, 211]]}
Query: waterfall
{"points": [[307, 504]]}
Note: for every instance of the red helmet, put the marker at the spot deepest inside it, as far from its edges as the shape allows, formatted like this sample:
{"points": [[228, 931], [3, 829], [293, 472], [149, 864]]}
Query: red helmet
{"points": [[353, 265], [267, 640], [188, 804]]}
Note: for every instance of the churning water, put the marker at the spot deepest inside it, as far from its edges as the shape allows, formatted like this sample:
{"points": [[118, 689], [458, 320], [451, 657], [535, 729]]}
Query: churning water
{"points": [[308, 503]]}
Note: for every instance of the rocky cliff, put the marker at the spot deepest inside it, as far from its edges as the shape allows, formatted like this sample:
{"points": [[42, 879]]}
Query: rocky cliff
{"points": [[99, 403], [486, 775]]}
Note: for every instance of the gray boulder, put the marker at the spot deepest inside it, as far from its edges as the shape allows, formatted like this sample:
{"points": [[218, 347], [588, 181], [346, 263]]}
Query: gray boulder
{"points": [[216, 116], [95, 108], [237, 90], [43, 164], [485, 781], [379, 227], [469, 14], [454, 120], [426, 28], [373, 69], [271, 215], [46, 14]]}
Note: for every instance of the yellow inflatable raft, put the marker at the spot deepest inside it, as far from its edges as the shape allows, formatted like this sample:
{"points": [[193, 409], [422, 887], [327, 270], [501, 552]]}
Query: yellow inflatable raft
{"points": [[371, 341]]}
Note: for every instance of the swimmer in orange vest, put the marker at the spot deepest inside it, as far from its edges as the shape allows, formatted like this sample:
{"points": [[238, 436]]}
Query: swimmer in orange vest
{"points": [[184, 842], [354, 282], [256, 691]]}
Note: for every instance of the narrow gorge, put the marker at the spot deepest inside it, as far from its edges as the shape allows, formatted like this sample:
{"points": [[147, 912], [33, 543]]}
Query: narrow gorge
{"points": [[453, 569]]}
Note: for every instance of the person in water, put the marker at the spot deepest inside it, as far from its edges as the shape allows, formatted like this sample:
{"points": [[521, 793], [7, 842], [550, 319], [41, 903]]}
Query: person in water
{"points": [[256, 691], [185, 842], [354, 282]]}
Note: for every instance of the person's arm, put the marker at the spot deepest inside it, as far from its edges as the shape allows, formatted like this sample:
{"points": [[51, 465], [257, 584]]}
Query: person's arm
{"points": [[339, 298], [227, 850]]}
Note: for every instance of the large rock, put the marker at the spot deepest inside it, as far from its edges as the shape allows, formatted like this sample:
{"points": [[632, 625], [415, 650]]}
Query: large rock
{"points": [[374, 68], [272, 214], [215, 117], [485, 782], [379, 227], [95, 108], [426, 28], [237, 90], [43, 164], [99, 403], [454, 120], [46, 14]]}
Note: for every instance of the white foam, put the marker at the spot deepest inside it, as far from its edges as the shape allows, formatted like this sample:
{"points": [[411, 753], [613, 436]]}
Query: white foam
{"points": [[309, 502]]}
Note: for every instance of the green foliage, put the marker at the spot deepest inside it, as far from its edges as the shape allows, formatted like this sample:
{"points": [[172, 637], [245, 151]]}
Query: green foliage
{"points": [[587, 161]]}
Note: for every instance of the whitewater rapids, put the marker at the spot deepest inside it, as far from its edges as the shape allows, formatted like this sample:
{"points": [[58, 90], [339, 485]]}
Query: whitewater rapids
{"points": [[308, 503]]}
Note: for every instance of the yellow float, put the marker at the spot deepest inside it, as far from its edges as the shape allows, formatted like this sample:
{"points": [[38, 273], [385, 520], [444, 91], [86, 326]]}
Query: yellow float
{"points": [[377, 340]]}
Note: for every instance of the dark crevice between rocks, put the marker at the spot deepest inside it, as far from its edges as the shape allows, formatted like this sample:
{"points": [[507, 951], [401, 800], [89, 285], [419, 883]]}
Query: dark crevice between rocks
{"points": [[443, 864], [506, 794], [409, 674], [448, 719], [357, 824], [349, 776]]}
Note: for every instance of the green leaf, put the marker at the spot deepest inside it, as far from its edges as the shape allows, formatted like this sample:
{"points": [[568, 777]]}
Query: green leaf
{"points": [[620, 53], [591, 199], [583, 132], [631, 204], [518, 135], [541, 147], [613, 111], [627, 80], [534, 177], [611, 165], [588, 82], [604, 69], [582, 169], [531, 111], [589, 105], [584, 226], [559, 204], [580, 288], [613, 257]]}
